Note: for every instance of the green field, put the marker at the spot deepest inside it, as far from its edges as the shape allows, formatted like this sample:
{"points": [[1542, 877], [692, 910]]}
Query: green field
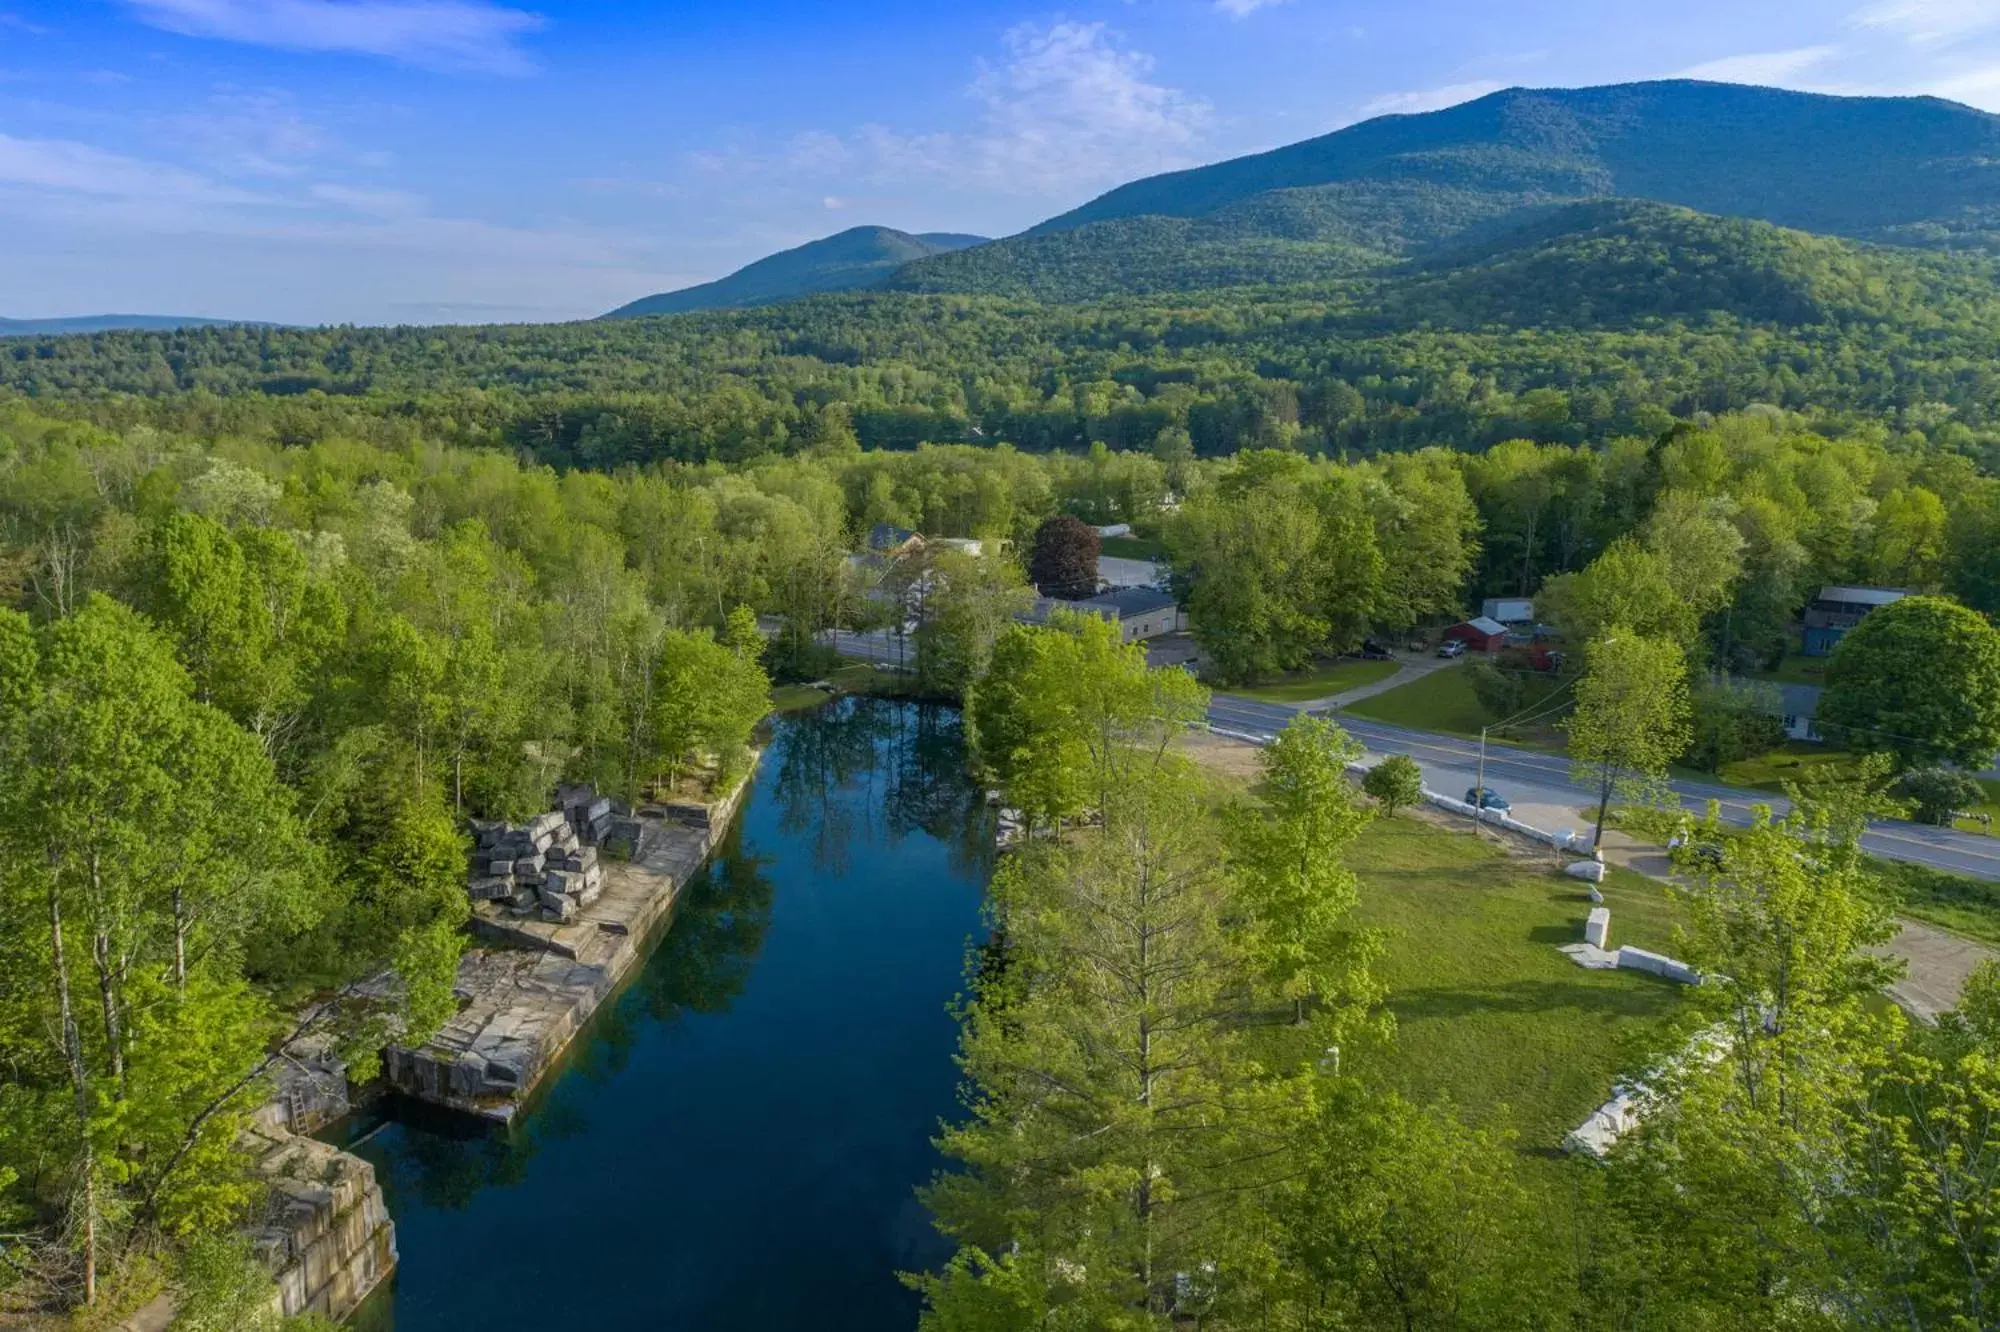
{"points": [[1444, 701], [1489, 1014], [1327, 678]]}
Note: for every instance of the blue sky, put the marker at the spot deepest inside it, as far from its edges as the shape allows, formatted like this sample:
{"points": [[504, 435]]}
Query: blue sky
{"points": [[405, 161]]}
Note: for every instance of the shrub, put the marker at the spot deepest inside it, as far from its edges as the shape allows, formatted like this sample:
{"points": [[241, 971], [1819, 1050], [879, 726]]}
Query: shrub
{"points": [[1395, 782]]}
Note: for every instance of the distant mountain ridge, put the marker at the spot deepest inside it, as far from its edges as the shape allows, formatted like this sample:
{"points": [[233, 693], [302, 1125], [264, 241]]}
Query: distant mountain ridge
{"points": [[1908, 171], [857, 257], [111, 323], [1865, 167]]}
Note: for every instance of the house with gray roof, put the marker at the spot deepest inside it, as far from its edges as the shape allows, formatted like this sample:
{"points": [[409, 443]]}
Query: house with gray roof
{"points": [[1139, 612]]}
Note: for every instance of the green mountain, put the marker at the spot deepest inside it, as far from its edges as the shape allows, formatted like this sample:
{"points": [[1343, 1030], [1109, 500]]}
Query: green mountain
{"points": [[857, 257], [1622, 263], [1910, 171], [1877, 168], [108, 323]]}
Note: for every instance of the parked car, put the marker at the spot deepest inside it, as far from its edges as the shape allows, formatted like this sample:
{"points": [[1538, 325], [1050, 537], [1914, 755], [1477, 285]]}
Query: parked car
{"points": [[1485, 797], [1416, 644], [1451, 647], [1374, 650]]}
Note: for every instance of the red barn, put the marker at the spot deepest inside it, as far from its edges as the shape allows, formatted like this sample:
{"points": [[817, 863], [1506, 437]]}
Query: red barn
{"points": [[1480, 634]]}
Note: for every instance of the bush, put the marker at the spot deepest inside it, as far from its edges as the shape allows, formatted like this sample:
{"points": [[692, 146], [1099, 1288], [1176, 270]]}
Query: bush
{"points": [[1939, 793], [1501, 692], [1395, 782], [1732, 722]]}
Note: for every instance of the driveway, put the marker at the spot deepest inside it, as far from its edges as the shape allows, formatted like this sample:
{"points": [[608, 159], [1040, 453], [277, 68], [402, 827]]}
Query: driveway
{"points": [[1410, 666], [1128, 573]]}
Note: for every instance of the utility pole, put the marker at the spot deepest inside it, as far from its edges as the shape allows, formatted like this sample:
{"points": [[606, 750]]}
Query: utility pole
{"points": [[1479, 787]]}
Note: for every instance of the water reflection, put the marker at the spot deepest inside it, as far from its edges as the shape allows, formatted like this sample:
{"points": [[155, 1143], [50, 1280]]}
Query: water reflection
{"points": [[908, 764], [736, 1136]]}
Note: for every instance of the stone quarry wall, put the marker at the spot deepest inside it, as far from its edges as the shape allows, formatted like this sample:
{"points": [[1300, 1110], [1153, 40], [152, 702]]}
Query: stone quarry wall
{"points": [[521, 1005], [326, 1233]]}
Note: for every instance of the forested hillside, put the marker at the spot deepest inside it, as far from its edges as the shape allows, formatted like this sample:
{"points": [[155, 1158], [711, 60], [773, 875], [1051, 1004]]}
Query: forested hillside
{"points": [[857, 257], [1621, 263], [1912, 172], [14, 328], [1912, 169], [1580, 336]]}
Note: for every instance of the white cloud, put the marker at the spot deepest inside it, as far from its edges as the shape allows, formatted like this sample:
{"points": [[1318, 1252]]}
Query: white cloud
{"points": [[246, 134], [65, 167], [1073, 106], [1765, 67], [1070, 108], [1245, 8], [439, 34], [1975, 85], [1931, 21], [1428, 99], [383, 204]]}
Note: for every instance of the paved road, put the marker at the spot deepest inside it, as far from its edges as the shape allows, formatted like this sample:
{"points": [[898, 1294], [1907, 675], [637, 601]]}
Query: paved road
{"points": [[1538, 784], [877, 645], [1530, 778]]}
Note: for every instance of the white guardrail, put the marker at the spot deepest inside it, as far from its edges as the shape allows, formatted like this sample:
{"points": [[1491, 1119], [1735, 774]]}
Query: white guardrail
{"points": [[1566, 840]]}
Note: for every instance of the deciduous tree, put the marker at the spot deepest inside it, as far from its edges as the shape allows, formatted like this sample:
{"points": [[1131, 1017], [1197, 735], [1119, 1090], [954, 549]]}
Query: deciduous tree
{"points": [[1064, 563], [1631, 718], [1919, 679]]}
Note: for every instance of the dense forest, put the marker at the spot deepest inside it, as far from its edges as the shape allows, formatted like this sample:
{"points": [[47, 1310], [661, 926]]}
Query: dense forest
{"points": [[1603, 321], [267, 652]]}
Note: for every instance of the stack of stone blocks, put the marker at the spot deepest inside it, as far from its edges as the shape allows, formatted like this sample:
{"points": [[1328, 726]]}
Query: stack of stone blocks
{"points": [[549, 867]]}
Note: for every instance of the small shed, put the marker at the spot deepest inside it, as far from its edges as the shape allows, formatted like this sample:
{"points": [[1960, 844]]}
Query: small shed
{"points": [[1479, 634]]}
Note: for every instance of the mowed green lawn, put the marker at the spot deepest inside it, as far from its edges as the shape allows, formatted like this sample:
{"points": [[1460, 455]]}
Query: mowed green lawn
{"points": [[1797, 762], [1445, 701], [1489, 1015], [1322, 680], [1440, 701]]}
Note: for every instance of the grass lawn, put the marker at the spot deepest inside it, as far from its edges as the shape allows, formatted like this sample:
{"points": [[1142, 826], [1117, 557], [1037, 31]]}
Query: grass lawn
{"points": [[1990, 807], [1440, 701], [1489, 1015], [1795, 762], [1796, 668], [796, 698], [1134, 548], [1327, 678], [1954, 902], [1444, 701]]}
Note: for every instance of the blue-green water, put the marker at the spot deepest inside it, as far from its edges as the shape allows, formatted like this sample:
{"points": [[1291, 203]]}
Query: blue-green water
{"points": [[735, 1139]]}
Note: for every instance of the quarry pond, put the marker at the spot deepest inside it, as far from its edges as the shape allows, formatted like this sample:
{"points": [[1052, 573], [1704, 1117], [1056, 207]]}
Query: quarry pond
{"points": [[734, 1140]]}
